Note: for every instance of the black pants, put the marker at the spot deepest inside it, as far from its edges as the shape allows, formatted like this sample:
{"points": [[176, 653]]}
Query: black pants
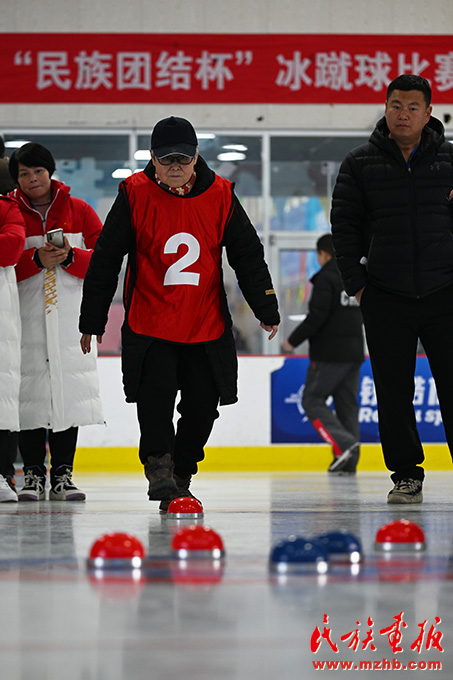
{"points": [[393, 325], [8, 451], [62, 446], [168, 368], [341, 381]]}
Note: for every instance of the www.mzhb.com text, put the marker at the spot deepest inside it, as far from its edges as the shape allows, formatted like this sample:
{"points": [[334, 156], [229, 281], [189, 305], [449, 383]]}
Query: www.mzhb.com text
{"points": [[384, 665]]}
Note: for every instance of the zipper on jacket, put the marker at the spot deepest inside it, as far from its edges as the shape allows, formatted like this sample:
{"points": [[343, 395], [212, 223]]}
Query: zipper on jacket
{"points": [[413, 222]]}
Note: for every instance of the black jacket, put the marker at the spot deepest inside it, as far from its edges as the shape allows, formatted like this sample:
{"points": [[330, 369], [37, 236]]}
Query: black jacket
{"points": [[396, 215], [245, 255], [333, 325], [7, 183]]}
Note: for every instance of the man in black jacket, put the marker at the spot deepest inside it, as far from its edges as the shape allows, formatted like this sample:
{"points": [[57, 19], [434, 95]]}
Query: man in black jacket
{"points": [[392, 225], [333, 328], [173, 221]]}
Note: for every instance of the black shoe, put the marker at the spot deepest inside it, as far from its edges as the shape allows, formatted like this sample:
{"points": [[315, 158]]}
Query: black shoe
{"points": [[159, 473], [346, 462], [34, 488], [62, 488]]}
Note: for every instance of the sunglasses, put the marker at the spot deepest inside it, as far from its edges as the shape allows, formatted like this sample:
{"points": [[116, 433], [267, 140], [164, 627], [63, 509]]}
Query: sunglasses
{"points": [[180, 160]]}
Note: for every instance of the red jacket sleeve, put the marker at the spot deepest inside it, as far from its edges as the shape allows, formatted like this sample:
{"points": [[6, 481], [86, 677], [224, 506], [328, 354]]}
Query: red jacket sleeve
{"points": [[12, 232], [26, 267], [91, 228]]}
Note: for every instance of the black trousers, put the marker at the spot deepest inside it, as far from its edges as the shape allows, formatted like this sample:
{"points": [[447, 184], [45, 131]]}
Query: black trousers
{"points": [[341, 381], [8, 451], [62, 446], [168, 368], [393, 325]]}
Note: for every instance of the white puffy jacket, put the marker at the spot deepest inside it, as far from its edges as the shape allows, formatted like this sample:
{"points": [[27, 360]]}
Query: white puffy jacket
{"points": [[12, 238], [59, 387]]}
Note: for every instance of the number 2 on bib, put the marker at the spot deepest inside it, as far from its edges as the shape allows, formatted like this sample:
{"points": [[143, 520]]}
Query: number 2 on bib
{"points": [[175, 274]]}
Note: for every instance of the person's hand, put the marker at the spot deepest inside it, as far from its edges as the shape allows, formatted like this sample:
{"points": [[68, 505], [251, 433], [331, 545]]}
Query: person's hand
{"points": [[358, 295], [287, 347], [273, 330], [85, 342], [50, 256], [451, 195]]}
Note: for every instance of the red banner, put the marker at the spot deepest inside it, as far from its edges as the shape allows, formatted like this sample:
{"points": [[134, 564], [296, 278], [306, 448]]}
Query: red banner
{"points": [[218, 69]]}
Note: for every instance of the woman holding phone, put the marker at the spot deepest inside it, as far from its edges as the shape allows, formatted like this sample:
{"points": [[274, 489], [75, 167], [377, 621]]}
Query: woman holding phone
{"points": [[59, 385]]}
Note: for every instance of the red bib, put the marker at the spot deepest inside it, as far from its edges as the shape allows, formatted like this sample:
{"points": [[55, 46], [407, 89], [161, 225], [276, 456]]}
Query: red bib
{"points": [[176, 295]]}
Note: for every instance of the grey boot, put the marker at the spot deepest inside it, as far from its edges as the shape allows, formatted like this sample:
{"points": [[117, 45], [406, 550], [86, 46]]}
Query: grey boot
{"points": [[183, 492], [159, 473]]}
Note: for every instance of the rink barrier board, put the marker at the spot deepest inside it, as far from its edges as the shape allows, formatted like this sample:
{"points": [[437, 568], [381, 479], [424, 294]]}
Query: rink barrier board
{"points": [[275, 458]]}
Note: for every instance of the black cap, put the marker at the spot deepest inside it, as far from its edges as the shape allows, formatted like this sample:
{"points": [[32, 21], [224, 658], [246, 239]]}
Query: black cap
{"points": [[173, 135]]}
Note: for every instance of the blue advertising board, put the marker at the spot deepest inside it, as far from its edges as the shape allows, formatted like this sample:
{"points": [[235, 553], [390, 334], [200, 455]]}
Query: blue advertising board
{"points": [[290, 424]]}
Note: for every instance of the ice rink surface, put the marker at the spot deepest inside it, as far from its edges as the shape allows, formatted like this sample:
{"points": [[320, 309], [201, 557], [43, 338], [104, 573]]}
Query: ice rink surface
{"points": [[234, 620]]}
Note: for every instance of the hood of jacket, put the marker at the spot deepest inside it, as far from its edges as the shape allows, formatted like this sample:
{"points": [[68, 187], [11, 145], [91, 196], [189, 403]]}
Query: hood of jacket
{"points": [[433, 135]]}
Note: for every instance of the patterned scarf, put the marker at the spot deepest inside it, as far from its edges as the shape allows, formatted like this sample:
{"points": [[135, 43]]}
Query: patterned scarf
{"points": [[50, 290], [179, 191]]}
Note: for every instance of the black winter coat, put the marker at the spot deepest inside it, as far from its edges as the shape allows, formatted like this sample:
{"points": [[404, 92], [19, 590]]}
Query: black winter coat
{"points": [[333, 325], [395, 215], [245, 255]]}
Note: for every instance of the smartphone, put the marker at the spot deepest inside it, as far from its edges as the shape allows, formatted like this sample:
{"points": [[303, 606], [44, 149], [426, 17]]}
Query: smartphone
{"points": [[56, 238]]}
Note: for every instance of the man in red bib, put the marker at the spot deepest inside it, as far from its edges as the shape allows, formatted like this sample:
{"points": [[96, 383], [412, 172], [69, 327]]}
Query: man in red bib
{"points": [[172, 221]]}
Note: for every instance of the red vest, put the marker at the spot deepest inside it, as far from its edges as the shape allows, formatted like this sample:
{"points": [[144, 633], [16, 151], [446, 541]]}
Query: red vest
{"points": [[176, 295]]}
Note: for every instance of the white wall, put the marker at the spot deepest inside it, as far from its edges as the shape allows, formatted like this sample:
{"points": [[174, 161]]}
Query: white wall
{"points": [[246, 423], [235, 16], [429, 17]]}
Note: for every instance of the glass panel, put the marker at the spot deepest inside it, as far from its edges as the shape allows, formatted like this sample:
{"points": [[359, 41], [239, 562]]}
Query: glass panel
{"points": [[235, 157], [85, 163], [296, 269], [303, 172], [246, 327]]}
